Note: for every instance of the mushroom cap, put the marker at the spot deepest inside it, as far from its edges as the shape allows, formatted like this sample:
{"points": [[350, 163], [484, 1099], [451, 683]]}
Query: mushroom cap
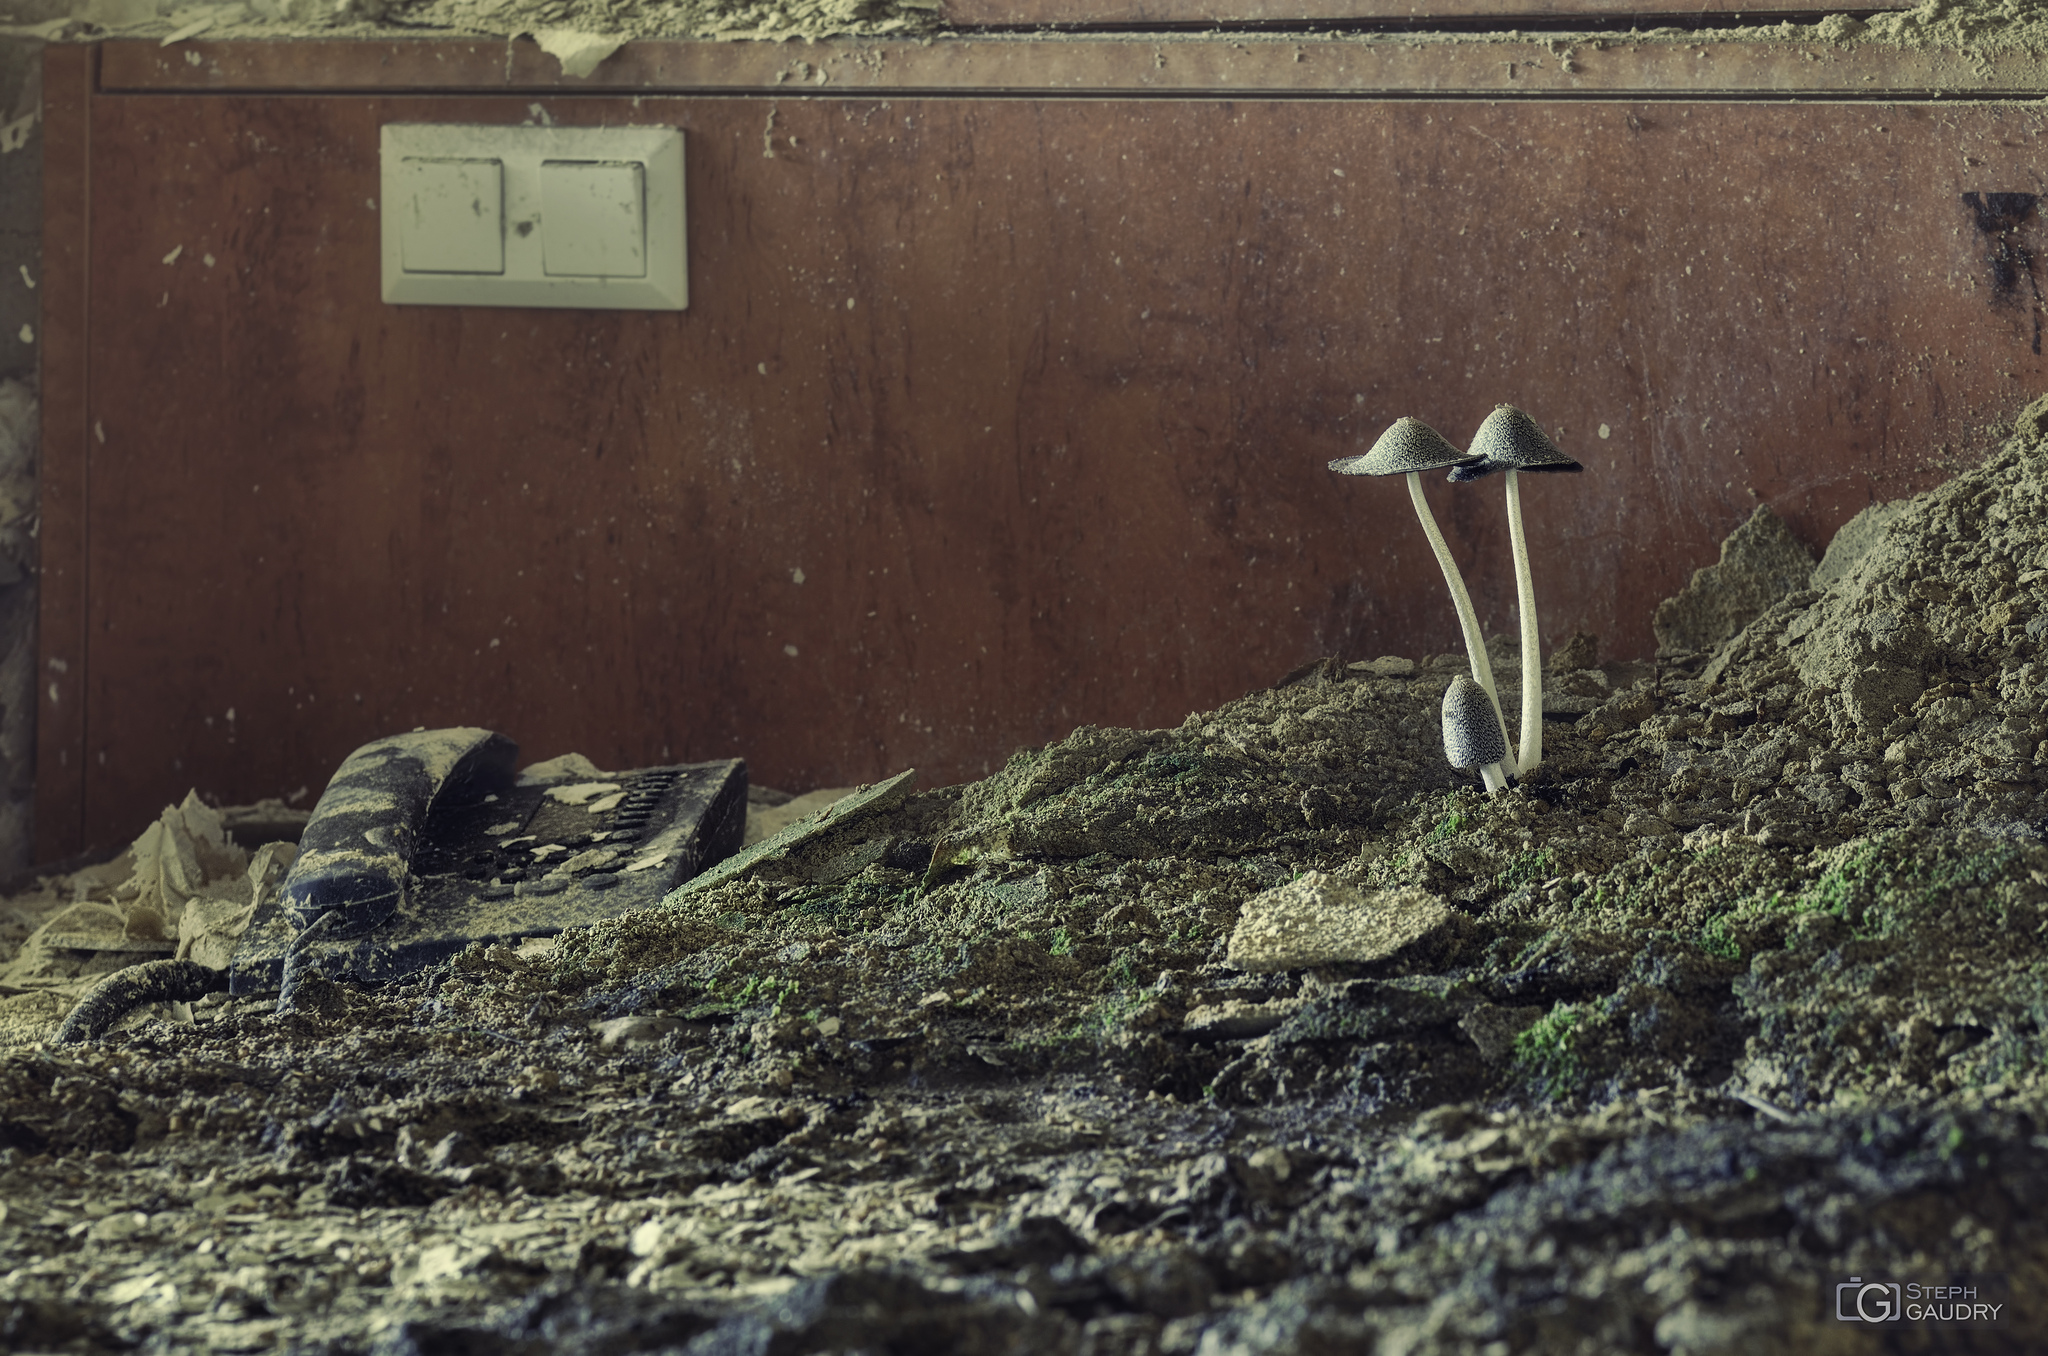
{"points": [[1408, 445], [1472, 735], [1509, 440]]}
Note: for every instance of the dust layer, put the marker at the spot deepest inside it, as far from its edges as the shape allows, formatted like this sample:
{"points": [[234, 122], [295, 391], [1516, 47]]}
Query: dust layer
{"points": [[1743, 992], [1979, 28], [763, 20]]}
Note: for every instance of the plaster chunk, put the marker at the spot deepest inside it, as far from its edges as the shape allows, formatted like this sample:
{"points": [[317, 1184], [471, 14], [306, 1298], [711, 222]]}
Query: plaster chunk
{"points": [[1319, 920]]}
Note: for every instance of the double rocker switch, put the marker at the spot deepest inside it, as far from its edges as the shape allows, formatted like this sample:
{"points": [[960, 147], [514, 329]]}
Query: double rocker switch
{"points": [[592, 223], [534, 216]]}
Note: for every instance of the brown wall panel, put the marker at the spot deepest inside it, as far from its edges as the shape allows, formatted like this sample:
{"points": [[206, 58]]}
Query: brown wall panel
{"points": [[1037, 397], [62, 489]]}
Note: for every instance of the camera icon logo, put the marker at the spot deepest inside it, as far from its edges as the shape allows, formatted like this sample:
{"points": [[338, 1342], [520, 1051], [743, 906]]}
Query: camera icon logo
{"points": [[1861, 1301]]}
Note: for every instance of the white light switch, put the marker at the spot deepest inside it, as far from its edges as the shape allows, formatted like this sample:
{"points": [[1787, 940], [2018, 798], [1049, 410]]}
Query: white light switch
{"points": [[587, 217], [592, 219], [452, 216]]}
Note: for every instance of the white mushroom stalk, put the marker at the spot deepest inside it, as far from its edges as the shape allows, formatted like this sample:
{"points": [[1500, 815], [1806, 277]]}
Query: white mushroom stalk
{"points": [[1410, 447], [1473, 738], [1511, 441]]}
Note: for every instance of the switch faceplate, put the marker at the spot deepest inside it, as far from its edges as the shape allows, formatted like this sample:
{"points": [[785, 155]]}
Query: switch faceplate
{"points": [[589, 217]]}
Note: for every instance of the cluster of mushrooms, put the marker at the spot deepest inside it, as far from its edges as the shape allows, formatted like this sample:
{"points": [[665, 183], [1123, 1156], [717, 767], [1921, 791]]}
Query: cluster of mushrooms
{"points": [[1475, 735]]}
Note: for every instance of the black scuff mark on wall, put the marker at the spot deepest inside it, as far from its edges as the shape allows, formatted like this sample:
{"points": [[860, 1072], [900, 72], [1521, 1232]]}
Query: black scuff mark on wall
{"points": [[2000, 218]]}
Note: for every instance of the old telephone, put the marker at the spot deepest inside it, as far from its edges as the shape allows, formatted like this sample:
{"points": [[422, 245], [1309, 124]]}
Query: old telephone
{"points": [[426, 842]]}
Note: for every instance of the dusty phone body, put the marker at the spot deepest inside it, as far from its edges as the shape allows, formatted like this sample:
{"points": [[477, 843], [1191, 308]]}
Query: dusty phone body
{"points": [[427, 842]]}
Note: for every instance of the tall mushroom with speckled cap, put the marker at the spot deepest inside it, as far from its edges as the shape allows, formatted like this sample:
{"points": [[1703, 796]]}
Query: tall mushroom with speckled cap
{"points": [[1510, 441], [1409, 448], [1473, 738]]}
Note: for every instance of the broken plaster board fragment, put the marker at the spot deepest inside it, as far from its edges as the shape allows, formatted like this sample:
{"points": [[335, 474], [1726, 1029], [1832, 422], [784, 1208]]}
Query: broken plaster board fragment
{"points": [[580, 53], [562, 765], [580, 792], [818, 830]]}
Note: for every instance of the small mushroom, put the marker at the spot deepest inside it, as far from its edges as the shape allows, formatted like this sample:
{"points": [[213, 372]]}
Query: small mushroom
{"points": [[1473, 738], [1410, 447], [1510, 441]]}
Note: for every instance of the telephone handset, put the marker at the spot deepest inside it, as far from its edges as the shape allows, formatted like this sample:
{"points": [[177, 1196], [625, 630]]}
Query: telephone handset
{"points": [[356, 852], [425, 842]]}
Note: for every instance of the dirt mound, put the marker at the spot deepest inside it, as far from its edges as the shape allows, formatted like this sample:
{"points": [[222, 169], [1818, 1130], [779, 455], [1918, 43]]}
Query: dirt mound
{"points": [[1741, 994]]}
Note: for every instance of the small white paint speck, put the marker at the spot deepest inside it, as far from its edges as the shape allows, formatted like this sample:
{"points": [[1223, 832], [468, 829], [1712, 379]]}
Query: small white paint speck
{"points": [[172, 257], [797, 575], [207, 260], [26, 280], [762, 368], [849, 303], [1605, 431], [789, 650], [99, 431], [28, 334]]}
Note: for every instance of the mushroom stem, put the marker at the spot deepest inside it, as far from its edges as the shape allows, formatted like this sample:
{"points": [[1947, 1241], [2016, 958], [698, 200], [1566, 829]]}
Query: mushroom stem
{"points": [[1531, 755], [1475, 644], [1495, 778]]}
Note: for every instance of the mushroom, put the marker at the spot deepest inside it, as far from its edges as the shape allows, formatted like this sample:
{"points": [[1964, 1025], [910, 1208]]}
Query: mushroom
{"points": [[1510, 441], [1410, 447], [1473, 738]]}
